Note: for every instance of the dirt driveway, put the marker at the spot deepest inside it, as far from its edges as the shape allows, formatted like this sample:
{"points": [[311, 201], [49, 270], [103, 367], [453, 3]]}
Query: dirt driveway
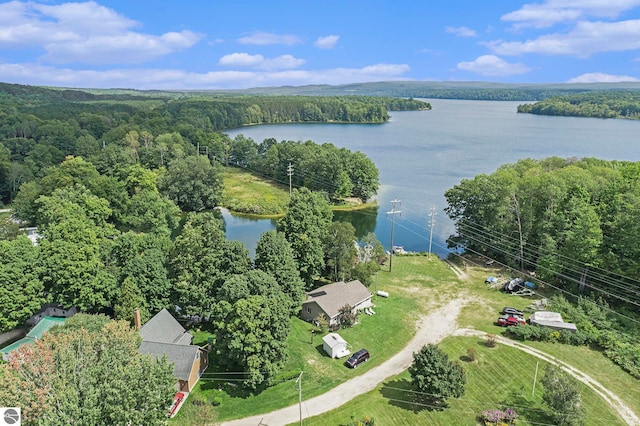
{"points": [[432, 329], [625, 412]]}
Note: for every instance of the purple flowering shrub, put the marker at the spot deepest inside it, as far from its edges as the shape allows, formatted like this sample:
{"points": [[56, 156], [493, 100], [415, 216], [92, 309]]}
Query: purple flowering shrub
{"points": [[499, 417]]}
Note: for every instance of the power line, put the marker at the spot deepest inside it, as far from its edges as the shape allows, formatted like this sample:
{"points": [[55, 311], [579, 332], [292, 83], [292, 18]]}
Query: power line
{"points": [[393, 214]]}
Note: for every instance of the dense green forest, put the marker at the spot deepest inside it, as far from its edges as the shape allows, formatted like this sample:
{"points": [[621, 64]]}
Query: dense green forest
{"points": [[568, 220], [571, 226], [123, 195], [468, 90], [599, 104], [40, 126]]}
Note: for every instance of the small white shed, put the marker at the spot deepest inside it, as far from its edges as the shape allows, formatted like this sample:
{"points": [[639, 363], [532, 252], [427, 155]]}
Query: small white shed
{"points": [[334, 345]]}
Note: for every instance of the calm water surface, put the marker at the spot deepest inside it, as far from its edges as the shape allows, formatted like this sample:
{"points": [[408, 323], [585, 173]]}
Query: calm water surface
{"points": [[421, 154]]}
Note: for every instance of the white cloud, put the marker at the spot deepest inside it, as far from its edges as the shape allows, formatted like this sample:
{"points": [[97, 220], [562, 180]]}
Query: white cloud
{"points": [[240, 60], [597, 77], [284, 62], [584, 40], [263, 39], [85, 33], [461, 31], [490, 65], [246, 60], [138, 78], [328, 42], [551, 12]]}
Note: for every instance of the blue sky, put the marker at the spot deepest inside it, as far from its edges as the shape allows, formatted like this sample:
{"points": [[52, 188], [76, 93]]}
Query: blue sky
{"points": [[232, 44]]}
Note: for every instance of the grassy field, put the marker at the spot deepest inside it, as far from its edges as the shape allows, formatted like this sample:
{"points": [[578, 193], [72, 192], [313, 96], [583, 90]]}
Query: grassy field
{"points": [[246, 193], [252, 195], [417, 285], [500, 377]]}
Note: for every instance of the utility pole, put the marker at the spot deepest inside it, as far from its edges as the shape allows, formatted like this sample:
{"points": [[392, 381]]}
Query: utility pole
{"points": [[393, 213], [535, 377], [299, 382], [432, 214], [290, 173]]}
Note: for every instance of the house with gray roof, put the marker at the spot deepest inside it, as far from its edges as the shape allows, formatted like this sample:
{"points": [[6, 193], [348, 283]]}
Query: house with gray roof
{"points": [[330, 298], [162, 336]]}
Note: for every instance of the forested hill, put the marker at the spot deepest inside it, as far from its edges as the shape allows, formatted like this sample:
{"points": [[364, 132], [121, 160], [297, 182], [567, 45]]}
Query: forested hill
{"points": [[207, 110], [599, 104], [465, 90]]}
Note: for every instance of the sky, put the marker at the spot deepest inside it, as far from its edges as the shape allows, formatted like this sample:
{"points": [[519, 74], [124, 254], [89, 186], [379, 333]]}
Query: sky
{"points": [[236, 44]]}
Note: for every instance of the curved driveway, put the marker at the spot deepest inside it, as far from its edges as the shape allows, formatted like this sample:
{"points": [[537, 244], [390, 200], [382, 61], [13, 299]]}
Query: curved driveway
{"points": [[432, 329]]}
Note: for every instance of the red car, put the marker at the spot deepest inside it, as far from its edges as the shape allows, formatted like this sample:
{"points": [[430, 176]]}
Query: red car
{"points": [[509, 320]]}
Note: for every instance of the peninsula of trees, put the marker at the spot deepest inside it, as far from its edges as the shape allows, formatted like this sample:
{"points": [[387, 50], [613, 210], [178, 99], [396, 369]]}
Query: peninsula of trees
{"points": [[598, 104]]}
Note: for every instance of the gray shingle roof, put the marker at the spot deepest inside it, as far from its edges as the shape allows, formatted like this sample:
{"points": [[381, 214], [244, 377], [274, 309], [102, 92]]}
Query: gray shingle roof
{"points": [[163, 328], [182, 356], [332, 297]]}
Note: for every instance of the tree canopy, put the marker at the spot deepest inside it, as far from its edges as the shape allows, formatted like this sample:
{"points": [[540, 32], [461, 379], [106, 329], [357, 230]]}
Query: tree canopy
{"points": [[305, 226], [562, 396], [89, 376], [435, 377], [565, 219]]}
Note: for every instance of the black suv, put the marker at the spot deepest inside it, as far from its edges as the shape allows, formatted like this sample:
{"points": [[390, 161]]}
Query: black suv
{"points": [[357, 358]]}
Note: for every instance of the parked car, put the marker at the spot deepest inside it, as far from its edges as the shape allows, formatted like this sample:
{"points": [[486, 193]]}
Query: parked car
{"points": [[512, 311], [509, 320], [357, 358]]}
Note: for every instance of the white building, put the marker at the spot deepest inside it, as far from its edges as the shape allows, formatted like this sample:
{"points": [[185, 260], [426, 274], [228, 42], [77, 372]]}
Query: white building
{"points": [[335, 346]]}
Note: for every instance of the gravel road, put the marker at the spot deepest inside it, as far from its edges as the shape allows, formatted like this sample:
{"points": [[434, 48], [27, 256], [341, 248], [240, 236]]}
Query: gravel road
{"points": [[432, 329]]}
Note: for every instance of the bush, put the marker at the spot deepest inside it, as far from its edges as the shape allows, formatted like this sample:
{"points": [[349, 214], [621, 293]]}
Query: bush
{"points": [[472, 354], [492, 340], [497, 417]]}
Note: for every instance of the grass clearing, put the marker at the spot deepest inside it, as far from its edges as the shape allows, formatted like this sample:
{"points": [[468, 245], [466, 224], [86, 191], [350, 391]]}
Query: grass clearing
{"points": [[246, 193], [256, 196], [416, 285], [500, 377]]}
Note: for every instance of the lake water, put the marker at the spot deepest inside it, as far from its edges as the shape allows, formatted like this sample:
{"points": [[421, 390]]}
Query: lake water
{"points": [[421, 154]]}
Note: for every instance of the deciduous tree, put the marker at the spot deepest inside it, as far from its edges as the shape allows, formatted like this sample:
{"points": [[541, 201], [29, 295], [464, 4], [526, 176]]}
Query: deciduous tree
{"points": [[80, 376], [437, 378], [251, 335], [562, 396], [22, 291], [193, 183], [340, 250], [275, 257], [305, 226]]}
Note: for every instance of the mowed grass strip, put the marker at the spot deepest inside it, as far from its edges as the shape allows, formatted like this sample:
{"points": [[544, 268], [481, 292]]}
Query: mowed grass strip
{"points": [[500, 377], [417, 285], [247, 193], [599, 367]]}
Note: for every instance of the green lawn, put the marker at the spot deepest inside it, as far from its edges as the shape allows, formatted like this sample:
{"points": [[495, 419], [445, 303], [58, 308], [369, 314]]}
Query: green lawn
{"points": [[500, 377], [417, 285]]}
